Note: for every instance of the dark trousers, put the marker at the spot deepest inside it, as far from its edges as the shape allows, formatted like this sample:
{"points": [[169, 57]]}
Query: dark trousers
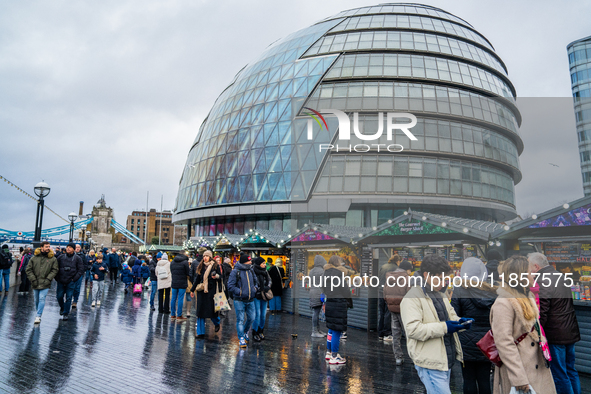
{"points": [[566, 377], [476, 377], [113, 273], [77, 289], [25, 283], [66, 290], [384, 322], [164, 300]]}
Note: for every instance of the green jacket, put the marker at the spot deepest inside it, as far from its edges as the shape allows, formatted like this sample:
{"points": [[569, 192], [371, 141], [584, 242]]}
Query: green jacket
{"points": [[41, 270]]}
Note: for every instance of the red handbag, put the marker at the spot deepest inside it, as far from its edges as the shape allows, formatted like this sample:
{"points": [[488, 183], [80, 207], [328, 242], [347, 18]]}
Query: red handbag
{"points": [[488, 347]]}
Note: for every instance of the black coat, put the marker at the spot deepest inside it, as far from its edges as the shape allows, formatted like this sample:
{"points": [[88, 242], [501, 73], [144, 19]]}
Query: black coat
{"points": [[205, 302], [180, 271], [335, 308], [277, 274], [475, 304], [557, 313], [264, 281], [152, 266], [71, 268]]}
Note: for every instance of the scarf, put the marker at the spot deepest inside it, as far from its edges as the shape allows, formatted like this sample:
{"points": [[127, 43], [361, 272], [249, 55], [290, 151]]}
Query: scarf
{"points": [[209, 265]]}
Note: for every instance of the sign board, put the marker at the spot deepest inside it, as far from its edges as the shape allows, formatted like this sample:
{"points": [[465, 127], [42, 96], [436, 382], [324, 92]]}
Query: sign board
{"points": [[312, 235], [575, 217], [413, 227], [366, 262], [558, 252]]}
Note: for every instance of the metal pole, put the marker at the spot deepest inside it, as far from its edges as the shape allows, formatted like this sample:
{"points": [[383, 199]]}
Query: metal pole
{"points": [[146, 224], [160, 233], [173, 233], [71, 231], [42, 205], [37, 237]]}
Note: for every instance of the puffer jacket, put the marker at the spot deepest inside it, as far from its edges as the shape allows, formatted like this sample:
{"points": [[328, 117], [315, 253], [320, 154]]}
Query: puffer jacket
{"points": [[137, 269], [425, 332], [316, 274], [263, 278], [71, 268], [164, 283], [42, 269], [152, 267], [126, 276], [242, 283], [145, 271], [393, 294], [277, 273], [179, 268], [6, 260], [557, 313], [337, 299], [474, 303]]}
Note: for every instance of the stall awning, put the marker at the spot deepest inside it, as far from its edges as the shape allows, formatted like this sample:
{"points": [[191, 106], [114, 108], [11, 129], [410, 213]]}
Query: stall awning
{"points": [[326, 233], [261, 239]]}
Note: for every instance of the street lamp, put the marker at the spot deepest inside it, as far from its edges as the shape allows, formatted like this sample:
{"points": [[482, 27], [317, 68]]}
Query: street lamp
{"points": [[42, 190], [72, 216]]}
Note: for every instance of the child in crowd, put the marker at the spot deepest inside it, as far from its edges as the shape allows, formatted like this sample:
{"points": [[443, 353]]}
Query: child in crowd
{"points": [[98, 271], [137, 271], [145, 272], [126, 277]]}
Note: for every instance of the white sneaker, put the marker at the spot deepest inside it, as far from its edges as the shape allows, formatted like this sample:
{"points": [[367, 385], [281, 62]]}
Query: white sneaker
{"points": [[337, 360], [92, 305], [388, 338], [328, 356], [344, 335], [98, 303], [37, 320]]}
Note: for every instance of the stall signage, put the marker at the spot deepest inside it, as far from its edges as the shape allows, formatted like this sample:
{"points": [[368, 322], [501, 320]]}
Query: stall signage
{"points": [[312, 235], [413, 227], [367, 262], [557, 252], [455, 254], [255, 239], [575, 217]]}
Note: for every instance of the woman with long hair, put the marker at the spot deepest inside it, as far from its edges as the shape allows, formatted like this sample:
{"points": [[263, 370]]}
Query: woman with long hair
{"points": [[517, 334], [209, 274]]}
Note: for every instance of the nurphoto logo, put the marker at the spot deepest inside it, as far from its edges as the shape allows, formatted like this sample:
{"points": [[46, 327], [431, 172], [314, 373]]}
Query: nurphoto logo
{"points": [[345, 130]]}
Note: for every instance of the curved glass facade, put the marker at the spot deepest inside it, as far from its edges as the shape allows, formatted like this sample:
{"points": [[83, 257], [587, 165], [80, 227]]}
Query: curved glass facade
{"points": [[579, 59], [250, 161]]}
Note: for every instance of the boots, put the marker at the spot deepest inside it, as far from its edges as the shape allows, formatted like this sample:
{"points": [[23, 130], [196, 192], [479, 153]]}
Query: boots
{"points": [[316, 333], [255, 336], [261, 335]]}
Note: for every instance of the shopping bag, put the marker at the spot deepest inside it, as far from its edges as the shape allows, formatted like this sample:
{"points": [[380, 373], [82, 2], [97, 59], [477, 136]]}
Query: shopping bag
{"points": [[515, 391], [148, 283], [221, 302]]}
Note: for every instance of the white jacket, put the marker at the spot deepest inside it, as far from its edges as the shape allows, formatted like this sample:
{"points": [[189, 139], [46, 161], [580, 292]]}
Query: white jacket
{"points": [[424, 331], [164, 283]]}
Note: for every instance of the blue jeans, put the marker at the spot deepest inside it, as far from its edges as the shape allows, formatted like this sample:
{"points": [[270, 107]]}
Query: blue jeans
{"points": [[68, 291], [333, 341], [436, 382], [244, 308], [154, 292], [77, 289], [566, 378], [177, 294], [40, 300], [201, 324], [260, 309], [275, 304], [88, 276], [5, 274]]}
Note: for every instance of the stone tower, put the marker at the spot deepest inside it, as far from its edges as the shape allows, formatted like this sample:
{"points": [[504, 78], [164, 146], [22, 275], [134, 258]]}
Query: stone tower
{"points": [[102, 232]]}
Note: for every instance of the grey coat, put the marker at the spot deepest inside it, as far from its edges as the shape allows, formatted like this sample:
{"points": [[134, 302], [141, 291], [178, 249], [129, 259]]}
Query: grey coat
{"points": [[316, 274]]}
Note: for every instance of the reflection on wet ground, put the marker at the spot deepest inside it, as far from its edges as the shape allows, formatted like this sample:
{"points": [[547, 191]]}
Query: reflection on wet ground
{"points": [[123, 347]]}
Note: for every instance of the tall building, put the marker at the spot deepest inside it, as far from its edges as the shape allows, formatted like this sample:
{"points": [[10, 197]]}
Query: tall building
{"points": [[251, 165], [579, 61], [138, 224]]}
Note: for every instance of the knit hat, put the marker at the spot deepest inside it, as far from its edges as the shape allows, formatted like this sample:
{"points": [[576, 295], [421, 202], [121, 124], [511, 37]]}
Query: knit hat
{"points": [[244, 258], [405, 265], [159, 255], [5, 246], [208, 253], [201, 250], [278, 261], [258, 261], [164, 256], [71, 245], [473, 267]]}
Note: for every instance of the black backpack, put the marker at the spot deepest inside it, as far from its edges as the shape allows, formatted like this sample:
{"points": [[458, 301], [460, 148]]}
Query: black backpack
{"points": [[5, 260]]}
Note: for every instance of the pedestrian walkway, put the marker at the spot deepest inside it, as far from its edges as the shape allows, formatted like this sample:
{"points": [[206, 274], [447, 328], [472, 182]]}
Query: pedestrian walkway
{"points": [[122, 347]]}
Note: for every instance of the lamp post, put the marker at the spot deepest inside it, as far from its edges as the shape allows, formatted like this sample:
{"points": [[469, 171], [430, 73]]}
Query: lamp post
{"points": [[42, 190], [72, 216]]}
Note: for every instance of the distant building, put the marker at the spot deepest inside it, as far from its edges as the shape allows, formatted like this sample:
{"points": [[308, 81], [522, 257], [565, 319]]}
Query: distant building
{"points": [[138, 223], [579, 61]]}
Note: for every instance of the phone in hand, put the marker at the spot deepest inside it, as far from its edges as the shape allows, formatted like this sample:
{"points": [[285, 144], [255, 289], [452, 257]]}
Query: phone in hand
{"points": [[467, 322]]}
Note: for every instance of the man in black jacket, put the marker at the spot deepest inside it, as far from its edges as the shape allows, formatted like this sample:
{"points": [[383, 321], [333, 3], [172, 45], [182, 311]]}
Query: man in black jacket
{"points": [[557, 317], [82, 256], [180, 272], [71, 268], [5, 265]]}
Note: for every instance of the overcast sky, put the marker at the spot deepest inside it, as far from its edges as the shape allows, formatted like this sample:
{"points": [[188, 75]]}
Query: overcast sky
{"points": [[107, 97]]}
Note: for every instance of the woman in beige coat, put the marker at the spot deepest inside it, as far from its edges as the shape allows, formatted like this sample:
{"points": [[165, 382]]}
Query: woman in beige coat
{"points": [[514, 314], [164, 284]]}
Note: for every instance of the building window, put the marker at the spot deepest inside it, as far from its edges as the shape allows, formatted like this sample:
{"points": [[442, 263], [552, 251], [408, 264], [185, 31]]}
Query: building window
{"points": [[131, 221]]}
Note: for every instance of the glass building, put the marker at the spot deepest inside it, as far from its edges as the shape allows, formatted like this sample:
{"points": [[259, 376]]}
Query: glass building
{"points": [[579, 61], [250, 167]]}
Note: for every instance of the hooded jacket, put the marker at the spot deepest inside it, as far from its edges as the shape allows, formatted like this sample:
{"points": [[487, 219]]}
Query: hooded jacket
{"points": [[137, 268], [126, 276], [316, 274], [277, 273], [42, 269], [242, 283], [180, 271], [71, 268], [164, 264], [145, 271]]}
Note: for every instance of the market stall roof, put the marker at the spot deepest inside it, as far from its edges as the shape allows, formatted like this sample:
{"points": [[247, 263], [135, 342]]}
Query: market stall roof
{"points": [[160, 248], [431, 228], [260, 239], [227, 242], [570, 221], [207, 241], [315, 232]]}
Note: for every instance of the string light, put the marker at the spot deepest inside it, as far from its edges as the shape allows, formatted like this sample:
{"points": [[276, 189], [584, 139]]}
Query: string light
{"points": [[534, 216]]}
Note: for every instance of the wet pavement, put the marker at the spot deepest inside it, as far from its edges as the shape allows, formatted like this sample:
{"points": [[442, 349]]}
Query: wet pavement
{"points": [[123, 347]]}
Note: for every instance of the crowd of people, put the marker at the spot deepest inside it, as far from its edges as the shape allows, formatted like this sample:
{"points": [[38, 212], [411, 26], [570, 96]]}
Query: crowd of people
{"points": [[534, 324]]}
